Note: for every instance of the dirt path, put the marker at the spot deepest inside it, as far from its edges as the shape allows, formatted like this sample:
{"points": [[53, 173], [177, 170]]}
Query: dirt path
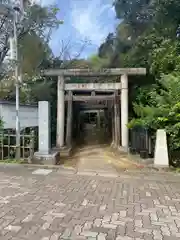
{"points": [[94, 158], [100, 158]]}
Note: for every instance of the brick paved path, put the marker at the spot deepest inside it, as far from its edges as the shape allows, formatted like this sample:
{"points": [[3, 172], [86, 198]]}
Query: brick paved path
{"points": [[64, 205]]}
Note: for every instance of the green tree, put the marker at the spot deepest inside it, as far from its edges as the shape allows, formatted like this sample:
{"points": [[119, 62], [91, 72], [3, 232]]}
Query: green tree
{"points": [[34, 52], [37, 24], [162, 110], [146, 37], [96, 62]]}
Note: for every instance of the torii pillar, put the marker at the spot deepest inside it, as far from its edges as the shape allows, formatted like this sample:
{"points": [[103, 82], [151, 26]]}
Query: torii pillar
{"points": [[124, 113], [60, 112]]}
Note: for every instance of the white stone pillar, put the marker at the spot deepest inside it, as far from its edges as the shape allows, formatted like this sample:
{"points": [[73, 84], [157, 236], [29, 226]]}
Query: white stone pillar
{"points": [[161, 158], [124, 113], [60, 112], [44, 127]]}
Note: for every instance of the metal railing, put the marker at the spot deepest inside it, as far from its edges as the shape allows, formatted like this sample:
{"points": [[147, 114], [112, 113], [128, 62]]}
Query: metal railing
{"points": [[142, 142]]}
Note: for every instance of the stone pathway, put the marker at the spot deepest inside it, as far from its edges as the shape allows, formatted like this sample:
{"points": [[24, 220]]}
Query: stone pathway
{"points": [[66, 205]]}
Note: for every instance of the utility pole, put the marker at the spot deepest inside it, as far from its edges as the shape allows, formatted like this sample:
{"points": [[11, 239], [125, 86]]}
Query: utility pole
{"points": [[14, 13], [16, 83], [18, 74]]}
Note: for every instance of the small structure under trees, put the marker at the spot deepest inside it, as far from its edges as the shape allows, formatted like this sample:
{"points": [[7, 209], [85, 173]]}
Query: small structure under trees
{"points": [[116, 93]]}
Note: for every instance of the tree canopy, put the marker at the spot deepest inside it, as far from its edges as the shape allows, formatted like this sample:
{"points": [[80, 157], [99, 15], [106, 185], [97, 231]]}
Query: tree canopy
{"points": [[34, 33], [148, 35]]}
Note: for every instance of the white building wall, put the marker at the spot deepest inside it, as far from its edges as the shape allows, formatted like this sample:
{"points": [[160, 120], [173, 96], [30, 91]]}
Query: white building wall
{"points": [[28, 115]]}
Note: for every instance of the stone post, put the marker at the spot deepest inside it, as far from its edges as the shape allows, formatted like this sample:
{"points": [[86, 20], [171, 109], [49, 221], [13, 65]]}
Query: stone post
{"points": [[161, 158], [69, 120], [60, 112], [124, 112], [45, 155], [44, 127]]}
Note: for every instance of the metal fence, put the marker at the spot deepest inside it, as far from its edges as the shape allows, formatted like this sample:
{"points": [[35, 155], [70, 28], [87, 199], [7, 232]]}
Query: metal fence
{"points": [[28, 143], [174, 158], [142, 142]]}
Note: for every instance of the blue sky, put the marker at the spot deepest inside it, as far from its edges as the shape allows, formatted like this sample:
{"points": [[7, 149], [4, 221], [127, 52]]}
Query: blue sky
{"points": [[84, 20]]}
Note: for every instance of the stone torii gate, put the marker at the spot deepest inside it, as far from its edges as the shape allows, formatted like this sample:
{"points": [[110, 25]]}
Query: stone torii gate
{"points": [[62, 87]]}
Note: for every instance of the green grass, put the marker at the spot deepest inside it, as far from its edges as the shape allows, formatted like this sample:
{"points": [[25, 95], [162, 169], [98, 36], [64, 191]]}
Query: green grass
{"points": [[18, 161], [177, 170]]}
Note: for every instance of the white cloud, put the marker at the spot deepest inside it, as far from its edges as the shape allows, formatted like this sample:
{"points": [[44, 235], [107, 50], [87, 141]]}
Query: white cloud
{"points": [[87, 19], [43, 2]]}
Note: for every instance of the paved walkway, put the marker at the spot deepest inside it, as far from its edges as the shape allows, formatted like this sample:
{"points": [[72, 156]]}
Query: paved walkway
{"points": [[67, 205]]}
